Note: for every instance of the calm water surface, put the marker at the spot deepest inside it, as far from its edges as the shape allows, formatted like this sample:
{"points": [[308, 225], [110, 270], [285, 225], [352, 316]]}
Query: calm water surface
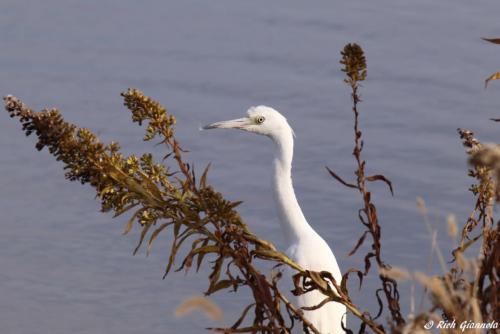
{"points": [[65, 268]]}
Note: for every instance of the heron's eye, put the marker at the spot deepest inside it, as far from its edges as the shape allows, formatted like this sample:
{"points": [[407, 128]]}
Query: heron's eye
{"points": [[260, 119]]}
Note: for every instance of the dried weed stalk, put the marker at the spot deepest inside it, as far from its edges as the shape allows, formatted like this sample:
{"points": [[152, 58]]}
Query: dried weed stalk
{"points": [[354, 65]]}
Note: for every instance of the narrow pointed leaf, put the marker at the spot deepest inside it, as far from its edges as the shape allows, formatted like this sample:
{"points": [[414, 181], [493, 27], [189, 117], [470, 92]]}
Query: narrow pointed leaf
{"points": [[143, 234], [338, 178], [235, 204], [203, 179], [130, 222], [171, 257], [242, 316], [201, 256], [155, 234], [494, 76], [358, 244], [381, 178], [345, 278], [323, 302], [124, 209], [220, 285], [214, 276], [492, 40], [205, 250]]}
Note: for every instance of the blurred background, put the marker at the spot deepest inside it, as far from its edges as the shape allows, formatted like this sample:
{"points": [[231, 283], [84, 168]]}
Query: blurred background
{"points": [[65, 268]]}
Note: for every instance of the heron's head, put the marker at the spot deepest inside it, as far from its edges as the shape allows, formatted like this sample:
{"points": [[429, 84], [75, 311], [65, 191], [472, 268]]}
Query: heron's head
{"points": [[261, 120]]}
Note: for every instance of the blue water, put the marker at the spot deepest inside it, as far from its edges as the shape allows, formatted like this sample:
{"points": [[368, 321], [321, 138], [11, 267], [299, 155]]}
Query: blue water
{"points": [[65, 268]]}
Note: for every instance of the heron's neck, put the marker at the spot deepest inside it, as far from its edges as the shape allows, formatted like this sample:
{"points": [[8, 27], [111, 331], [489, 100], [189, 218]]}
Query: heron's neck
{"points": [[292, 219]]}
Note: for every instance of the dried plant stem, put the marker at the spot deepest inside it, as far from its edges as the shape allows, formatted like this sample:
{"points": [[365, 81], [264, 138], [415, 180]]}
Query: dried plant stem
{"points": [[354, 63]]}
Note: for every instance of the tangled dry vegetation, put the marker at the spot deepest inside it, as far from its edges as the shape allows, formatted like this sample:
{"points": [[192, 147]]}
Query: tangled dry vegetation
{"points": [[169, 197]]}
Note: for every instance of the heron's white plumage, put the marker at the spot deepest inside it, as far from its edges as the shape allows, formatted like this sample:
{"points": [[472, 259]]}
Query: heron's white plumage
{"points": [[305, 246]]}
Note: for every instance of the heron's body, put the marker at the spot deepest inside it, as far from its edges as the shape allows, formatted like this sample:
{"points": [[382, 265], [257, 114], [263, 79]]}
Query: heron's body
{"points": [[305, 246]]}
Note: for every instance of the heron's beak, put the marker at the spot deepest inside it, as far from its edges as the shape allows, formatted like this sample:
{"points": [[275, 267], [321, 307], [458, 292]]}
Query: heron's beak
{"points": [[239, 123]]}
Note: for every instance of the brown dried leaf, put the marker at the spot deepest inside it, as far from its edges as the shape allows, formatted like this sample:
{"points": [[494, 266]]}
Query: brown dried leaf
{"points": [[263, 291], [242, 316], [205, 250], [203, 179], [220, 285], [201, 256], [298, 290], [345, 278], [492, 40], [235, 204], [494, 76], [323, 302], [171, 257], [338, 178], [268, 254], [143, 234], [215, 274], [129, 225], [124, 209], [368, 264], [155, 234], [318, 280], [201, 251], [359, 243], [381, 178], [380, 303]]}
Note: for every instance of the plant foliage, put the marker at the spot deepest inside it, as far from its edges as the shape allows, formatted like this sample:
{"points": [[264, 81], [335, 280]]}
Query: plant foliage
{"points": [[206, 229]]}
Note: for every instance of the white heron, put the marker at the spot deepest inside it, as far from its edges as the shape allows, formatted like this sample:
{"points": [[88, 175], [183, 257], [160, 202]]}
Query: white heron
{"points": [[305, 245]]}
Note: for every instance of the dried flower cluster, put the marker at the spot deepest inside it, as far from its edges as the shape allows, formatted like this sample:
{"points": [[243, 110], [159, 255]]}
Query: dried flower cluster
{"points": [[354, 61]]}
